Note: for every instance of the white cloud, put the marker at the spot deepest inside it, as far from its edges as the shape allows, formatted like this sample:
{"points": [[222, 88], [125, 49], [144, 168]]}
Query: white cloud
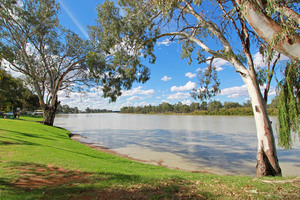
{"points": [[187, 102], [235, 92], [219, 63], [190, 75], [138, 91], [259, 61], [8, 68], [189, 86], [242, 91], [166, 78], [165, 42], [179, 95], [134, 98]]}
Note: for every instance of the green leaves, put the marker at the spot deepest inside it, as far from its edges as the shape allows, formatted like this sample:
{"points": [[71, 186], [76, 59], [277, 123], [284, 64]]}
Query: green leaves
{"points": [[208, 82], [122, 41], [13, 93], [288, 105]]}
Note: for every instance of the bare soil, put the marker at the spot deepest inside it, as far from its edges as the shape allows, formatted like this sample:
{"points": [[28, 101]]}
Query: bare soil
{"points": [[34, 176]]}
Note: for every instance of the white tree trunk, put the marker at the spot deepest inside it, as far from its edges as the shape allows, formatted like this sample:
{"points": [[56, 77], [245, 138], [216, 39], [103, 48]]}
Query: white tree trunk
{"points": [[267, 29], [267, 161]]}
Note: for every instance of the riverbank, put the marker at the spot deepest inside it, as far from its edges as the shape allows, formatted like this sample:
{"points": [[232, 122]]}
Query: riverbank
{"points": [[42, 162], [147, 158]]}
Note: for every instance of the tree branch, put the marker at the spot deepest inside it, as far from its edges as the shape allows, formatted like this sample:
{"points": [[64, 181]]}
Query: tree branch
{"points": [[268, 29], [210, 25]]}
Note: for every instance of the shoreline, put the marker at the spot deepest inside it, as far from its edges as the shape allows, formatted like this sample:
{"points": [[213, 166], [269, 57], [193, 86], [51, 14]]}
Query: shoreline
{"points": [[76, 137]]}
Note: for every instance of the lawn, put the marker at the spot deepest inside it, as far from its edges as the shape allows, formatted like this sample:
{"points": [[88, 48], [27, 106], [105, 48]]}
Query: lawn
{"points": [[42, 162]]}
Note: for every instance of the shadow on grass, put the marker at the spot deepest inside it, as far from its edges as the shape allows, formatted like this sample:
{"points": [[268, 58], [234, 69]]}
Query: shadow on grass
{"points": [[51, 182], [27, 134], [14, 141]]}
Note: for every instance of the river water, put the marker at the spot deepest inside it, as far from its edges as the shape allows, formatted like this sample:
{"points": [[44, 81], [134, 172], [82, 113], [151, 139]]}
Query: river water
{"points": [[217, 144]]}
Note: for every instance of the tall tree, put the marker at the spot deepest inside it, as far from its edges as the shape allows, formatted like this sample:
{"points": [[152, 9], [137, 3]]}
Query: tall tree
{"points": [[193, 24], [53, 58], [34, 44]]}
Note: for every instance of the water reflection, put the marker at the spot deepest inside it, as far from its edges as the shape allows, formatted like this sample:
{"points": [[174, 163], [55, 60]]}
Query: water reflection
{"points": [[218, 144]]}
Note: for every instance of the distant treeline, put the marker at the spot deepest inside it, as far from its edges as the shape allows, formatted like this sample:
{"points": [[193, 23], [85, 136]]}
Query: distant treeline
{"points": [[68, 109], [211, 108]]}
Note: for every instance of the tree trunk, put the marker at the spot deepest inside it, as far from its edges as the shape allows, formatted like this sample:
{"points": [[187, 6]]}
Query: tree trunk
{"points": [[267, 161], [49, 116], [268, 29], [49, 112]]}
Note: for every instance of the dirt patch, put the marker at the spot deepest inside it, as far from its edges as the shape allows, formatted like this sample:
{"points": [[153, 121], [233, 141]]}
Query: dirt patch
{"points": [[34, 176]]}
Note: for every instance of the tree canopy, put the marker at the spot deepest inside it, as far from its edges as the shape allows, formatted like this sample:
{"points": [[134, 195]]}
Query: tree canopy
{"points": [[14, 94]]}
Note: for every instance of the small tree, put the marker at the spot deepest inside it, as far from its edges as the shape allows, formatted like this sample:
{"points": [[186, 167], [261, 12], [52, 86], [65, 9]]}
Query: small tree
{"points": [[214, 105]]}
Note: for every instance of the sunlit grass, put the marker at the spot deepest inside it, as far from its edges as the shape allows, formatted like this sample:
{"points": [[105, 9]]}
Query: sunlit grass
{"points": [[34, 118]]}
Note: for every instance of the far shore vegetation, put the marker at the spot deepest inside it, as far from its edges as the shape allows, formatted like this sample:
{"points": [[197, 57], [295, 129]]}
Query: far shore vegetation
{"points": [[211, 108], [204, 108]]}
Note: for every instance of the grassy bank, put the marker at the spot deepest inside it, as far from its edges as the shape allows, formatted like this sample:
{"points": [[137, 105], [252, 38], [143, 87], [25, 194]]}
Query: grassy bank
{"points": [[42, 162]]}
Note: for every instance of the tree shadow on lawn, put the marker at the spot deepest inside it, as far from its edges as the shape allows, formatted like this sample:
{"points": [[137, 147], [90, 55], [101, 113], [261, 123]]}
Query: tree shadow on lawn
{"points": [[14, 141], [17, 133], [52, 182]]}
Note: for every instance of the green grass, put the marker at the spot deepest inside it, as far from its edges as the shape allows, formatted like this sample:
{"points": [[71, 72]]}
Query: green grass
{"points": [[42, 162], [34, 118]]}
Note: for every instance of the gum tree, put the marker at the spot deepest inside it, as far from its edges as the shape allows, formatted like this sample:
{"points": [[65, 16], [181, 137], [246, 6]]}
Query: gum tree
{"points": [[52, 58], [204, 28], [277, 22], [34, 44]]}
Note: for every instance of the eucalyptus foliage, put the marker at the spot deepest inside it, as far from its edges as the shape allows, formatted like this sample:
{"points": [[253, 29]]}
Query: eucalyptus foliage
{"points": [[116, 59]]}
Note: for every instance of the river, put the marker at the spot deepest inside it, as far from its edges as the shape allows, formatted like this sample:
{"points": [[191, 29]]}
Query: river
{"points": [[216, 144]]}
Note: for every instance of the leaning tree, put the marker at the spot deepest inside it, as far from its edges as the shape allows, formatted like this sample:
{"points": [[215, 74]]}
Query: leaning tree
{"points": [[53, 58], [207, 30], [278, 23]]}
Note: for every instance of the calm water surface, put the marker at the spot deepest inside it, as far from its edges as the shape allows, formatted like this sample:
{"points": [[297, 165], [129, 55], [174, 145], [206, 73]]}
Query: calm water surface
{"points": [[218, 144]]}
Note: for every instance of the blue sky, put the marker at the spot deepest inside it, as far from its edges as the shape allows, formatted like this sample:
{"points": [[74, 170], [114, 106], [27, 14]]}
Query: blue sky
{"points": [[172, 79]]}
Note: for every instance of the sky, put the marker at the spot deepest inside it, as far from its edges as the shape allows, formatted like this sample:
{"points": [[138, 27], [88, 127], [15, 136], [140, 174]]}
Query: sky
{"points": [[172, 79]]}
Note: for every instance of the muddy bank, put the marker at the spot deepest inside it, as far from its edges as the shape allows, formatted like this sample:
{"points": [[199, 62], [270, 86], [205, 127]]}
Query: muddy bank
{"points": [[151, 158]]}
